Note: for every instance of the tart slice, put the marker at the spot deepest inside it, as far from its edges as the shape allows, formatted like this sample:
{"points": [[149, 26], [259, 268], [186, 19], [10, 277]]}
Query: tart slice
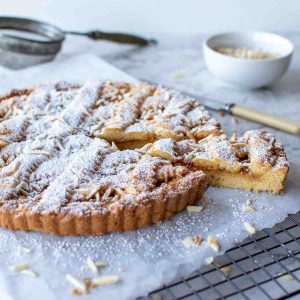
{"points": [[132, 115], [253, 162]]}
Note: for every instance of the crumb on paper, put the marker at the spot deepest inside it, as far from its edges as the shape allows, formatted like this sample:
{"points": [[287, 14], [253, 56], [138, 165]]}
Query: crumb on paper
{"points": [[77, 283], [226, 270], [287, 277], [210, 260], [248, 207], [221, 113], [193, 241], [213, 243], [250, 228], [205, 200], [75, 292], [87, 282], [178, 75], [156, 296], [193, 208]]}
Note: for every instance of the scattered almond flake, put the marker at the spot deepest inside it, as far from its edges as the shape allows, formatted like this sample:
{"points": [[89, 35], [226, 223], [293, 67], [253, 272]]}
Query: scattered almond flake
{"points": [[5, 185], [210, 260], [213, 243], [92, 192], [194, 208], [193, 241], [97, 195], [287, 277], [233, 138], [91, 265], [60, 146], [19, 267], [45, 153], [29, 272], [76, 283], [249, 228], [233, 120], [130, 190], [101, 264], [105, 280], [226, 270], [156, 296], [114, 146], [82, 191]]}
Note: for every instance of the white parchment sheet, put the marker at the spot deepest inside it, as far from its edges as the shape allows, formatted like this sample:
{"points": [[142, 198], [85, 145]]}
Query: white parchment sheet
{"points": [[146, 258]]}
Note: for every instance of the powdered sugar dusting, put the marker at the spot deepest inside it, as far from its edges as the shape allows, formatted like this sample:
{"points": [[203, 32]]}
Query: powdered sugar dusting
{"points": [[52, 161]]}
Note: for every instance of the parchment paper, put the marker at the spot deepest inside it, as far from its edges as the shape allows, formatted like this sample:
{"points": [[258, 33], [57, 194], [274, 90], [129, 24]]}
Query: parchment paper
{"points": [[145, 258]]}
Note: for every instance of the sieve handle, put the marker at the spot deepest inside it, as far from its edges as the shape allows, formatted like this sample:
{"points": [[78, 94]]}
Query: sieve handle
{"points": [[117, 37]]}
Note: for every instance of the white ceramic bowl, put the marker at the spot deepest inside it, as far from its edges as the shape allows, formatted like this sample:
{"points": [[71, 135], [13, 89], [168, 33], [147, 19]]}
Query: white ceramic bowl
{"points": [[248, 73]]}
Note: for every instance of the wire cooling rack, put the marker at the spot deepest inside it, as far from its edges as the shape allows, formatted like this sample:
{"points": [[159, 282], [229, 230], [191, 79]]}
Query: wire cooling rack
{"points": [[264, 266]]}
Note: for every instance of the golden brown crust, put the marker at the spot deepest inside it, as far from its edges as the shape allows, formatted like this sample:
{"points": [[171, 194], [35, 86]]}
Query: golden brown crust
{"points": [[126, 217]]}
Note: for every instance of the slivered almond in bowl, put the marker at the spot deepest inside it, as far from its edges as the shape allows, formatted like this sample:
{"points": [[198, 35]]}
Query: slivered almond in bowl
{"points": [[70, 162]]}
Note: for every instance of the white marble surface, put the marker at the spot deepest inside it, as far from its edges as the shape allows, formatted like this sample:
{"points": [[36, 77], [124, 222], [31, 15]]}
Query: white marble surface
{"points": [[151, 256]]}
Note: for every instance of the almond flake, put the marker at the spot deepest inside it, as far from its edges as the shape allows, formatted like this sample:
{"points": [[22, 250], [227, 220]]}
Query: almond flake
{"points": [[130, 190], [82, 191], [105, 280], [29, 272], [233, 138], [114, 146], [91, 265], [19, 267], [76, 283], [5, 185], [249, 228], [193, 208], [60, 146], [213, 243]]}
